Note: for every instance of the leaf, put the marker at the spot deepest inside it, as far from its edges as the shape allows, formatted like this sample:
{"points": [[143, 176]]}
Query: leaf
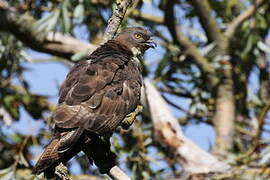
{"points": [[205, 50], [264, 47], [79, 11], [5, 116], [265, 156], [248, 47], [53, 21], [196, 33], [9, 103], [42, 21], [66, 18]]}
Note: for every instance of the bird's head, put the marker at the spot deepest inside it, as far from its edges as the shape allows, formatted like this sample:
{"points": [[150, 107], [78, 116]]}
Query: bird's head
{"points": [[137, 39]]}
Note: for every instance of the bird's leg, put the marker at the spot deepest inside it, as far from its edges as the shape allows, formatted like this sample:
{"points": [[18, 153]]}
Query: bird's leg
{"points": [[130, 118]]}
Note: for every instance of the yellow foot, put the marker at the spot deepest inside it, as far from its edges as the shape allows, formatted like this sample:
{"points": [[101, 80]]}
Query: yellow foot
{"points": [[130, 118]]}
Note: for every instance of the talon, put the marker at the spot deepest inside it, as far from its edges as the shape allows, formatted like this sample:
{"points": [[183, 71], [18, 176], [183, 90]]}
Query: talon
{"points": [[130, 118]]}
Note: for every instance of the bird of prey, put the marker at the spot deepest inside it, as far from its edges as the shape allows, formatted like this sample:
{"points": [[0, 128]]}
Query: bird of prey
{"points": [[99, 94]]}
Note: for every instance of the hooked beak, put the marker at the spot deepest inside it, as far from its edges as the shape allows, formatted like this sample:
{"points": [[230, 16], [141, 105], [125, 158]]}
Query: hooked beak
{"points": [[150, 43]]}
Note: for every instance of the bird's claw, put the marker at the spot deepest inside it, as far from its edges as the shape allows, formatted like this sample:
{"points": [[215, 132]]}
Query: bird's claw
{"points": [[130, 118]]}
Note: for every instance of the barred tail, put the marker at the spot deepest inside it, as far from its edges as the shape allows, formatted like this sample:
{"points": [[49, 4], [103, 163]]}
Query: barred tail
{"points": [[49, 158], [60, 149]]}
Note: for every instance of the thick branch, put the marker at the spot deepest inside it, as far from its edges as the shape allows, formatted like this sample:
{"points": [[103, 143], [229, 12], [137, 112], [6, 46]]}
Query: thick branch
{"points": [[224, 101], [53, 43], [168, 133], [208, 22], [232, 27]]}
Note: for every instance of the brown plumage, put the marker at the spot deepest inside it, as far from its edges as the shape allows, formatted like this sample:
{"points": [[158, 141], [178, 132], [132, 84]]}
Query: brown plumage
{"points": [[96, 96]]}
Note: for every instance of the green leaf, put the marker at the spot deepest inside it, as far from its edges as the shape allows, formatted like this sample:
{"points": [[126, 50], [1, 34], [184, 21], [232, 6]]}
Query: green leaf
{"points": [[162, 64], [53, 21], [264, 47], [66, 18], [79, 11], [42, 21]]}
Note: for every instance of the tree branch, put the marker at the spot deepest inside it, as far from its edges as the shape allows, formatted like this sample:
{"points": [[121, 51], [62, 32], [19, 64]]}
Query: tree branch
{"points": [[168, 133], [224, 115], [232, 27], [56, 43], [188, 47], [136, 14], [114, 22], [209, 24]]}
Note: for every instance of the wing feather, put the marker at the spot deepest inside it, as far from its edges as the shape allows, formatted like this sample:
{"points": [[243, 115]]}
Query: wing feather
{"points": [[98, 95]]}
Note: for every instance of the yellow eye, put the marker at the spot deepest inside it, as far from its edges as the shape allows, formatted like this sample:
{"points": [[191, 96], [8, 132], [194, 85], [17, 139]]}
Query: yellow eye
{"points": [[137, 36]]}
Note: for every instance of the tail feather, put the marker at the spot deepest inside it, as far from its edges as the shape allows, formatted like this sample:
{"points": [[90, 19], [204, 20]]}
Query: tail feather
{"points": [[48, 158], [60, 149]]}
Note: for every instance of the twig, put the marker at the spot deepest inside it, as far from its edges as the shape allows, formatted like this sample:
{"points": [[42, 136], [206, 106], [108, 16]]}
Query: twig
{"points": [[261, 121], [208, 22], [232, 27], [54, 43]]}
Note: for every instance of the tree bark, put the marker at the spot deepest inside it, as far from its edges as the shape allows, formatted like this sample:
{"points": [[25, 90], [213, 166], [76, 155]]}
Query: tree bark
{"points": [[168, 133]]}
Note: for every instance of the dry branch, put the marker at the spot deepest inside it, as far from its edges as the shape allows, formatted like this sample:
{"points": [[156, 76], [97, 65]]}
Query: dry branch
{"points": [[168, 133], [21, 26]]}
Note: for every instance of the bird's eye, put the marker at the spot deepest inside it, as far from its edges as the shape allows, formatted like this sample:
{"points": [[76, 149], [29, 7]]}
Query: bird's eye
{"points": [[137, 35]]}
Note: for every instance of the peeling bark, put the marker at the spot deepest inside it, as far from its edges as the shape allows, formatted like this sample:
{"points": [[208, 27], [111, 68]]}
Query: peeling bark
{"points": [[169, 134]]}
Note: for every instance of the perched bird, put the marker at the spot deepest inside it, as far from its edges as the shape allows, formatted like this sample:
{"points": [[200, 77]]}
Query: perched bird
{"points": [[99, 94]]}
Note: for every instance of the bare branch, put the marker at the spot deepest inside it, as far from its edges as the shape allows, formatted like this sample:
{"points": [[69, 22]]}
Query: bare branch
{"points": [[115, 21], [21, 26], [232, 27], [168, 133]]}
